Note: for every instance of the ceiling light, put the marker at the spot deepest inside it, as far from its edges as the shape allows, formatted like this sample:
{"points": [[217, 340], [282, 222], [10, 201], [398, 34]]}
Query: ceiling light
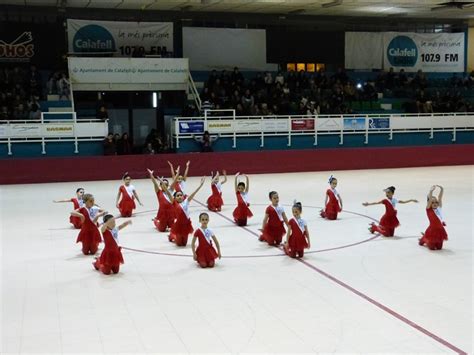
{"points": [[332, 4]]}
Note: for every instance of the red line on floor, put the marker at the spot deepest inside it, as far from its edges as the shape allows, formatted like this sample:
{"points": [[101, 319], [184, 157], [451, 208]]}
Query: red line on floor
{"points": [[367, 298]]}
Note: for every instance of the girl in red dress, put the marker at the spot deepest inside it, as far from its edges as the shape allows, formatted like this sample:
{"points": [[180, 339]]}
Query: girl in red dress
{"points": [[166, 213], [435, 234], [242, 211], [272, 226], [111, 257], [215, 202], [179, 183], [389, 220], [297, 237], [89, 235], [126, 197], [333, 202], [182, 226], [205, 254], [78, 203]]}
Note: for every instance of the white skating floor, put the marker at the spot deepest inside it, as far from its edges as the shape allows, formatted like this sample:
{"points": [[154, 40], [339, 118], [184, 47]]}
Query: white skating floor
{"points": [[352, 292]]}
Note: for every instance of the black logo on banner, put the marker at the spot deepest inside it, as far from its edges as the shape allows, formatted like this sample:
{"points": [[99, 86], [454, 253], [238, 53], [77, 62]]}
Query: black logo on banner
{"points": [[21, 49]]}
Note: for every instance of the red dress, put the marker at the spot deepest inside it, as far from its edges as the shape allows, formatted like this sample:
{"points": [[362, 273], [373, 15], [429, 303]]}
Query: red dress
{"points": [[127, 201], [215, 202], [332, 207], [297, 240], [242, 211], [389, 220], [274, 230], [89, 234], [166, 213], [182, 227], [75, 221], [435, 234], [206, 254], [111, 256]]}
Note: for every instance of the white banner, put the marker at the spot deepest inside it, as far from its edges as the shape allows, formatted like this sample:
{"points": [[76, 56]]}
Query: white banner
{"points": [[248, 126], [124, 38], [226, 48], [128, 70], [363, 50], [430, 52], [37, 130]]}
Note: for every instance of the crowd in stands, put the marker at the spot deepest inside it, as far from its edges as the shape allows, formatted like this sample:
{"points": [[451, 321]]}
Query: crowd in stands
{"points": [[305, 93], [425, 95], [21, 90], [116, 144]]}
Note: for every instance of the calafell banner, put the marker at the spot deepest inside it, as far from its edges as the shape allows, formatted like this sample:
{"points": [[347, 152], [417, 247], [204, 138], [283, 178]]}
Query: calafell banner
{"points": [[42, 45], [120, 38]]}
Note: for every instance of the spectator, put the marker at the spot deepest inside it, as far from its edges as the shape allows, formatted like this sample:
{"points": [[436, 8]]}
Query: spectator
{"points": [[64, 87], [280, 78], [402, 78], [237, 76], [248, 101], [148, 149], [34, 80], [116, 138], [4, 114], [20, 113], [52, 84], [155, 140], [102, 114], [124, 146], [35, 112], [470, 80], [110, 147], [32, 101], [423, 104], [206, 142]]}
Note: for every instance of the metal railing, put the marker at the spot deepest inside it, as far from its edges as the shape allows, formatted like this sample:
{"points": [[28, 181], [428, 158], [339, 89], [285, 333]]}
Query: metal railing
{"points": [[46, 130], [194, 91], [236, 127]]}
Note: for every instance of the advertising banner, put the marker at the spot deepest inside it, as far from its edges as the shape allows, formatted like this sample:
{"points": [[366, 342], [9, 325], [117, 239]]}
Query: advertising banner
{"points": [[329, 123], [123, 38], [191, 127], [354, 123], [39, 44], [248, 126], [430, 52], [379, 123], [128, 70], [302, 125], [37, 130]]}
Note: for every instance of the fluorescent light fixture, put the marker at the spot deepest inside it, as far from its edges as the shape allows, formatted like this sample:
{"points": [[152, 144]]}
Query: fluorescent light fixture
{"points": [[155, 100], [332, 3]]}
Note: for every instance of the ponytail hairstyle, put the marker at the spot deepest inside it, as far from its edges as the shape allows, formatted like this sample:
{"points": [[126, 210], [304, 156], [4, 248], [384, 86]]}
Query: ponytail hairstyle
{"points": [[126, 175], [107, 218], [298, 205], [270, 195], [331, 179], [391, 189]]}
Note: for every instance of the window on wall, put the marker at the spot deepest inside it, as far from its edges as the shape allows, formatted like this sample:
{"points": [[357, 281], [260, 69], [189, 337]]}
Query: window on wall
{"points": [[309, 67]]}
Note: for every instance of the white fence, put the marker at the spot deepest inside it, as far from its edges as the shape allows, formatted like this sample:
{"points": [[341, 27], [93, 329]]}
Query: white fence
{"points": [[232, 126], [49, 130]]}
